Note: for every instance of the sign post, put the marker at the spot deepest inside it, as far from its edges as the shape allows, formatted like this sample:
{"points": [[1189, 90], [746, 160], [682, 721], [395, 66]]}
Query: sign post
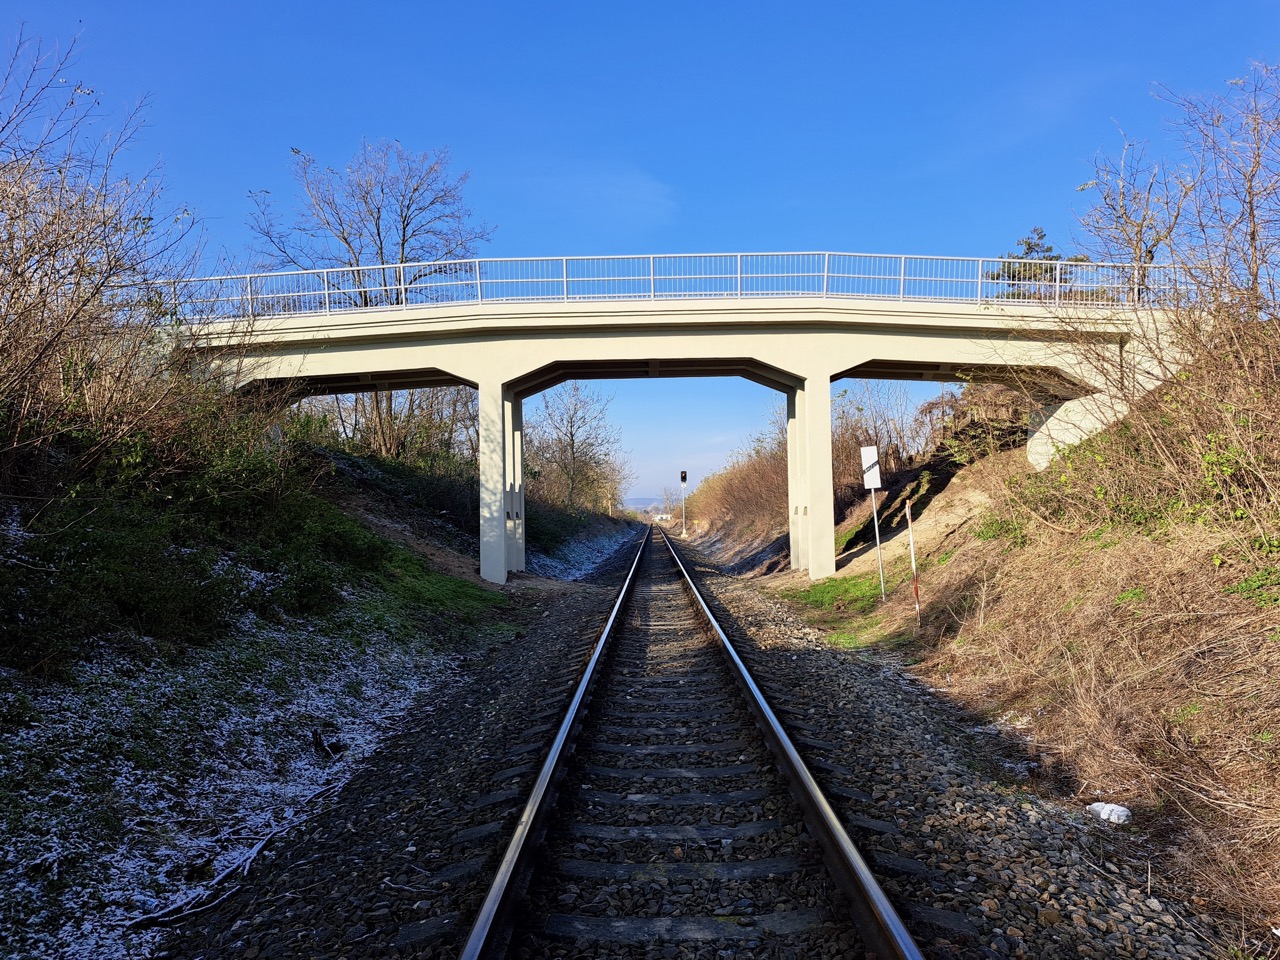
{"points": [[871, 480]]}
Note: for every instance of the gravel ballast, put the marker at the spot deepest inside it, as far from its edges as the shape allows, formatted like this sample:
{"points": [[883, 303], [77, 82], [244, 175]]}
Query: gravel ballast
{"points": [[393, 861]]}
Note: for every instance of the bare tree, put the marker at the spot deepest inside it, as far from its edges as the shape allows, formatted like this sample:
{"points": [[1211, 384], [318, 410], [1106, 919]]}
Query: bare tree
{"points": [[672, 499], [78, 239], [1138, 208], [389, 205], [1201, 378], [574, 451]]}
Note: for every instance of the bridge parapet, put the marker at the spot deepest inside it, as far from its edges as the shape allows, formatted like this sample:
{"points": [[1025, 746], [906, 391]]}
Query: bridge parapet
{"points": [[660, 277]]}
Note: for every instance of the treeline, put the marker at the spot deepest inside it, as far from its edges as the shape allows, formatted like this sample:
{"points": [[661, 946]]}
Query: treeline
{"points": [[748, 497], [573, 461]]}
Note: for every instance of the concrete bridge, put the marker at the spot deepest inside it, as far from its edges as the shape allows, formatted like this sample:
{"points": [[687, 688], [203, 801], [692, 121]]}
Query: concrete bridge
{"points": [[794, 322]]}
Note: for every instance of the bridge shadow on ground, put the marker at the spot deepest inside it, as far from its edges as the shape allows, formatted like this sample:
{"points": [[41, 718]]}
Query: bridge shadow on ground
{"points": [[856, 534]]}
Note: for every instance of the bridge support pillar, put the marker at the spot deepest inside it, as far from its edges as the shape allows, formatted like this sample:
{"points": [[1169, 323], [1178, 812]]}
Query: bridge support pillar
{"points": [[811, 488], [495, 403], [513, 437], [796, 514]]}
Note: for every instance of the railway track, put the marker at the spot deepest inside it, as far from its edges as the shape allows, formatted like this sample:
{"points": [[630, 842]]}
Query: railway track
{"points": [[673, 817]]}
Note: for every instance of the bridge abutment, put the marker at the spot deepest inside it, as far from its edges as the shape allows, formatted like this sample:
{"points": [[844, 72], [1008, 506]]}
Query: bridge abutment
{"points": [[1065, 424]]}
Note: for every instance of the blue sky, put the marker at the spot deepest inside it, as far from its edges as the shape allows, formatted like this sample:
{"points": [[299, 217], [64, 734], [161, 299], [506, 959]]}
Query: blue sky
{"points": [[608, 128]]}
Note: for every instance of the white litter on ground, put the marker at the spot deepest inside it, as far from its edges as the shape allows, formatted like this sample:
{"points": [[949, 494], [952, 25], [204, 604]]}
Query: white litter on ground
{"points": [[1110, 812]]}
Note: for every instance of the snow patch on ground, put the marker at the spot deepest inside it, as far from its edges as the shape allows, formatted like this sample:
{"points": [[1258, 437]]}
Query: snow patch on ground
{"points": [[129, 788], [576, 558]]}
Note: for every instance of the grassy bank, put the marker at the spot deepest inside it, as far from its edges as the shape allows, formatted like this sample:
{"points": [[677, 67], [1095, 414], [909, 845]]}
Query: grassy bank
{"points": [[1140, 661], [181, 672]]}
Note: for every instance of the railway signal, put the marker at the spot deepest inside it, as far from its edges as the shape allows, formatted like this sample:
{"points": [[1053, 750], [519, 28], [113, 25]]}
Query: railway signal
{"points": [[684, 477]]}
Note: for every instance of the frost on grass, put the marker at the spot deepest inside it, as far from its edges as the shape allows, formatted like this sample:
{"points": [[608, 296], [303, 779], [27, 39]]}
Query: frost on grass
{"points": [[577, 557], [128, 788]]}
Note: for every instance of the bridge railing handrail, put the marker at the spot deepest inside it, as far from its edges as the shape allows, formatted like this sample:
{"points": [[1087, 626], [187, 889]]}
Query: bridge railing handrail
{"points": [[819, 274]]}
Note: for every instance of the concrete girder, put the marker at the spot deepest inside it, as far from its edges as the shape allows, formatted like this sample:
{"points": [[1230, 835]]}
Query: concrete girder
{"points": [[560, 371]]}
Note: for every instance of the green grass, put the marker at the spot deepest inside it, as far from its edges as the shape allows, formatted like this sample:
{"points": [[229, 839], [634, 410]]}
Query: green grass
{"points": [[407, 597], [165, 570], [1185, 713], [848, 639], [1132, 595], [993, 527], [1262, 587], [856, 594]]}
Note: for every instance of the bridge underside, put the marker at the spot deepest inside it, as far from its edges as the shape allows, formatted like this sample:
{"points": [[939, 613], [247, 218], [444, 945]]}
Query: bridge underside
{"points": [[796, 346]]}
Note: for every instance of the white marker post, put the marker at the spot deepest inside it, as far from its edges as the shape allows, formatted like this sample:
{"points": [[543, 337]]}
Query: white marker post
{"points": [[915, 578], [871, 480]]}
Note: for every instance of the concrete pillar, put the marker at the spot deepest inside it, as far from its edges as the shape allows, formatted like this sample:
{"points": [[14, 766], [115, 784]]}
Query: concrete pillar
{"points": [[795, 491], [810, 483], [513, 408], [493, 482], [815, 427]]}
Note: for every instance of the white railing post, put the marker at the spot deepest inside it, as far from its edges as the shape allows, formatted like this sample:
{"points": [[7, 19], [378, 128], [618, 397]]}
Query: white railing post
{"points": [[564, 273], [324, 278], [739, 275], [479, 288], [404, 302], [248, 293], [1057, 282], [826, 272], [652, 281], [902, 278]]}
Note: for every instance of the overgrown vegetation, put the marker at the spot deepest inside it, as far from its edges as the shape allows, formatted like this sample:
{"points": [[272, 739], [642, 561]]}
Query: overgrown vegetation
{"points": [[142, 502]]}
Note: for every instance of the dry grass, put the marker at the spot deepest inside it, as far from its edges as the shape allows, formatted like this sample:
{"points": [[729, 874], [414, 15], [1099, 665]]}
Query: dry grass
{"points": [[1143, 681]]}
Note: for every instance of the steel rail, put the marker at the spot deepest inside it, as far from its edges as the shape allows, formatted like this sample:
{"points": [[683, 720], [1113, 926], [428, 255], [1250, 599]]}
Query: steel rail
{"points": [[882, 929], [490, 927]]}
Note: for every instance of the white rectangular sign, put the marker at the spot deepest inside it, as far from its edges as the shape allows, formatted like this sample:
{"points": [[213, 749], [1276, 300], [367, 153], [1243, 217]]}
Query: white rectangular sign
{"points": [[871, 468]]}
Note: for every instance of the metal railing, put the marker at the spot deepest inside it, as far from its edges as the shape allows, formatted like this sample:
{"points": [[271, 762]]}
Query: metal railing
{"points": [[657, 277]]}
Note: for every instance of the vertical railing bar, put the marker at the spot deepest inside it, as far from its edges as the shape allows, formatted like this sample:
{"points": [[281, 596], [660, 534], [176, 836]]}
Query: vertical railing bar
{"points": [[653, 281], [479, 288], [826, 273], [404, 300], [739, 276], [902, 277]]}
